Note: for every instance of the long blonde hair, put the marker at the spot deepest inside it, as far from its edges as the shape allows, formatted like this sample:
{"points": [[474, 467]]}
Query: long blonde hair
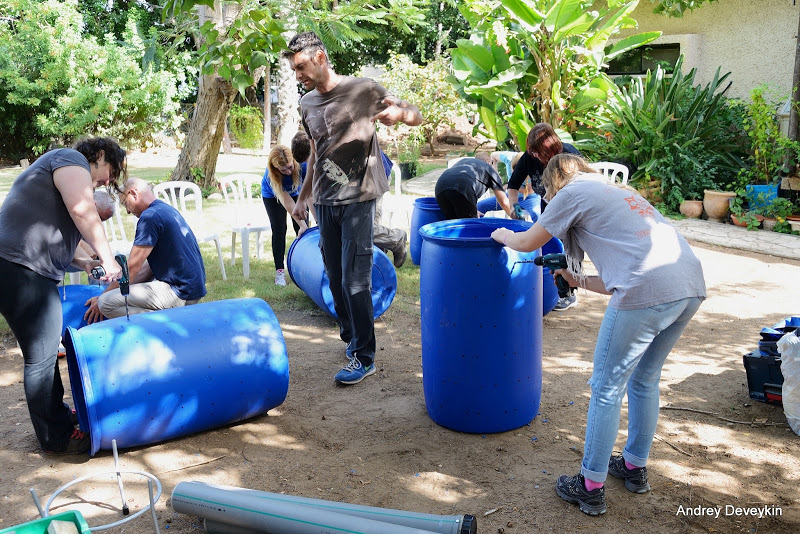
{"points": [[560, 171], [280, 156]]}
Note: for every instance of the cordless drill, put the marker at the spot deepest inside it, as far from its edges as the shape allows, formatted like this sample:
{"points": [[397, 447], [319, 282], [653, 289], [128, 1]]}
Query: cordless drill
{"points": [[124, 280], [553, 262]]}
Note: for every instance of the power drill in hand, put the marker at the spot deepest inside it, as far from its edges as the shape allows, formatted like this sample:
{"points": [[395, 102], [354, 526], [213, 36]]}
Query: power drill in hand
{"points": [[124, 280], [518, 211], [553, 262]]}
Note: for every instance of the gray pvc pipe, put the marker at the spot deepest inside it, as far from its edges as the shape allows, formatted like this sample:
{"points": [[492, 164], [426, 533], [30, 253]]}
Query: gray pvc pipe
{"points": [[215, 527], [248, 508]]}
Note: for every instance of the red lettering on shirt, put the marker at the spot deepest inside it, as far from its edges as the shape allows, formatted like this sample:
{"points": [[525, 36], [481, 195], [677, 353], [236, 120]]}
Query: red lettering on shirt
{"points": [[641, 205]]}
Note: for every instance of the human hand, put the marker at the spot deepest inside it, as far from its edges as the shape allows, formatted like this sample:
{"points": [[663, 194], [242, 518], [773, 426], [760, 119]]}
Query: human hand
{"points": [[300, 211], [113, 271], [501, 234], [566, 275], [392, 114], [518, 211], [93, 314]]}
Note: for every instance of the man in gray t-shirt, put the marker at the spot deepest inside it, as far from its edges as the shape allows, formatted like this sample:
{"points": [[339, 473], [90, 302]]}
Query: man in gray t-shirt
{"points": [[339, 114]]}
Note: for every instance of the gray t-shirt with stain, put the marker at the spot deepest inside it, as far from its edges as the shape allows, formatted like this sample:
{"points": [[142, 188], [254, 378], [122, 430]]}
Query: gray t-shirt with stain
{"points": [[640, 257], [36, 229], [348, 164]]}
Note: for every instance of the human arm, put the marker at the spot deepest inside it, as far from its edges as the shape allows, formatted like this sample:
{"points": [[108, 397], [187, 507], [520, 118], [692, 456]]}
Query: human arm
{"points": [[74, 183], [503, 201], [592, 283], [398, 110], [288, 202], [528, 241], [138, 272], [301, 204]]}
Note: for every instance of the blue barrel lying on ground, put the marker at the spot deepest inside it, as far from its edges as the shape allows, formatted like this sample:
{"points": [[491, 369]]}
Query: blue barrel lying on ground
{"points": [[481, 315], [531, 204], [169, 373], [73, 298], [307, 271], [426, 210]]}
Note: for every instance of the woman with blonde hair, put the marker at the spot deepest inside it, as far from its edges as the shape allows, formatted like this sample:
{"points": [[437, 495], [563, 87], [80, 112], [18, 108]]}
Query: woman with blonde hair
{"points": [[279, 189], [656, 286]]}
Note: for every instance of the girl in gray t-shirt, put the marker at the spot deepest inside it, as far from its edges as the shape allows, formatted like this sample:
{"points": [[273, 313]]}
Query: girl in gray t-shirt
{"points": [[656, 286]]}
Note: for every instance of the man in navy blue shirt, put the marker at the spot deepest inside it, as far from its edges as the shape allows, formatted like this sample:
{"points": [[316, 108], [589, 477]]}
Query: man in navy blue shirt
{"points": [[165, 266]]}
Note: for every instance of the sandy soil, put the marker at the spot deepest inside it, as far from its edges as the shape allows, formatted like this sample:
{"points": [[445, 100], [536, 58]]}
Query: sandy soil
{"points": [[374, 443]]}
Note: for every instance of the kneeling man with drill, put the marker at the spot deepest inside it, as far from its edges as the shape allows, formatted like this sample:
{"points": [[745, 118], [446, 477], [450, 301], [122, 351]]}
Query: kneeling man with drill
{"points": [[165, 266]]}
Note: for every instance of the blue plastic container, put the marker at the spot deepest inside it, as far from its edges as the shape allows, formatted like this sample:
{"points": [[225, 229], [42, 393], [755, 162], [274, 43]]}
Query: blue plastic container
{"points": [[531, 204], [481, 314], [760, 195], [549, 287], [426, 210], [73, 298], [307, 271], [166, 374]]}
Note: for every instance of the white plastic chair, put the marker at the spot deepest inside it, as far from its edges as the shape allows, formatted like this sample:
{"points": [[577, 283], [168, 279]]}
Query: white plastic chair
{"points": [[396, 207], [115, 233], [237, 189], [612, 171], [176, 193], [453, 161]]}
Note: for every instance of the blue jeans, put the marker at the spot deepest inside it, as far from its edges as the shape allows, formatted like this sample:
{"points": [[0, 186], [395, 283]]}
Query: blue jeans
{"points": [[632, 346], [345, 239], [31, 305]]}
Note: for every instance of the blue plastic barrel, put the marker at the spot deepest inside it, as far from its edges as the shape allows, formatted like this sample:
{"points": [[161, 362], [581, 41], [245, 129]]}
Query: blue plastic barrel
{"points": [[426, 210], [531, 204], [166, 374], [307, 271], [481, 314], [73, 298], [549, 287]]}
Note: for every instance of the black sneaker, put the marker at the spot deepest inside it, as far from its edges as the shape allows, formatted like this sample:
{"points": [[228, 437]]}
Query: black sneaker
{"points": [[635, 479], [572, 490], [399, 253], [79, 442]]}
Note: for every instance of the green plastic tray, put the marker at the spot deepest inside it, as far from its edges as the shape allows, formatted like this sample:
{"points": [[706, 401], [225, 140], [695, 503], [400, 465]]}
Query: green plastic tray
{"points": [[39, 526]]}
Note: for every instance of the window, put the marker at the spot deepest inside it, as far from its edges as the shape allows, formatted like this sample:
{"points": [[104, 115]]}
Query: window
{"points": [[644, 58]]}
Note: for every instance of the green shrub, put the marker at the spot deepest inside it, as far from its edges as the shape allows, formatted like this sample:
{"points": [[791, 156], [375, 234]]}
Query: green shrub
{"points": [[666, 128]]}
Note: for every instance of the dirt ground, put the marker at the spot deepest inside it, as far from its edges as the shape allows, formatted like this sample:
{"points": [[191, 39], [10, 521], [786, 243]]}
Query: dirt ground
{"points": [[374, 443]]}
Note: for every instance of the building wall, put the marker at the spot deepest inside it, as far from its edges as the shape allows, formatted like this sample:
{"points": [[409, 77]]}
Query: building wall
{"points": [[755, 40]]}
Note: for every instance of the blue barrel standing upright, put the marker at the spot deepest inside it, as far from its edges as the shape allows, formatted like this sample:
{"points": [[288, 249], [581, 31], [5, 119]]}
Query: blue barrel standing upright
{"points": [[481, 314], [73, 300], [169, 373], [426, 210]]}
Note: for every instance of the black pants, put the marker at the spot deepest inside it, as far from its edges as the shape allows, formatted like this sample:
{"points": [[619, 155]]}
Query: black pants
{"points": [[277, 220], [31, 305], [345, 239], [455, 205]]}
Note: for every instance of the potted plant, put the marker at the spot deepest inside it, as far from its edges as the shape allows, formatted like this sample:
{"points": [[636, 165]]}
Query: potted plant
{"points": [[741, 215], [408, 152], [776, 214]]}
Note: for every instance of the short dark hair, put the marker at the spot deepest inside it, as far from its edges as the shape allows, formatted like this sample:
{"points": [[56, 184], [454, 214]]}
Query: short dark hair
{"points": [[301, 146], [307, 42], [113, 154]]}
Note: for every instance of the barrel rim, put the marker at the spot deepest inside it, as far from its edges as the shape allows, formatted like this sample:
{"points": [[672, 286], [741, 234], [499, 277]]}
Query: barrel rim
{"points": [[429, 231]]}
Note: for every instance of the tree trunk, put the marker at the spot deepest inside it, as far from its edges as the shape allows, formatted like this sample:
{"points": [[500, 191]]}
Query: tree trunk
{"points": [[201, 149], [267, 111], [288, 104], [793, 118]]}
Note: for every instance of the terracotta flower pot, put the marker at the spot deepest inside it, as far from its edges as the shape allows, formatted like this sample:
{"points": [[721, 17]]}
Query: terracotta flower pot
{"points": [[691, 208], [717, 204]]}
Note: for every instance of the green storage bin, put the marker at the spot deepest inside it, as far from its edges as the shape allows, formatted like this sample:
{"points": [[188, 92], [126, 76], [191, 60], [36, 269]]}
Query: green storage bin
{"points": [[39, 526]]}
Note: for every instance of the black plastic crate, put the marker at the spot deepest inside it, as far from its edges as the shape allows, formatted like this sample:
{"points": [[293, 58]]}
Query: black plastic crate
{"points": [[764, 377]]}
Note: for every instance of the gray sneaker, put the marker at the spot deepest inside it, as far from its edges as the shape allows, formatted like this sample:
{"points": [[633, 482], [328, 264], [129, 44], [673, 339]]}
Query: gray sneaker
{"points": [[572, 490], [399, 253], [565, 303], [635, 479]]}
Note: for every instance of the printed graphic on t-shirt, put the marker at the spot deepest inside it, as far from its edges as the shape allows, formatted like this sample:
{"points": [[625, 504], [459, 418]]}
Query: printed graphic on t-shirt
{"points": [[335, 173], [639, 204]]}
